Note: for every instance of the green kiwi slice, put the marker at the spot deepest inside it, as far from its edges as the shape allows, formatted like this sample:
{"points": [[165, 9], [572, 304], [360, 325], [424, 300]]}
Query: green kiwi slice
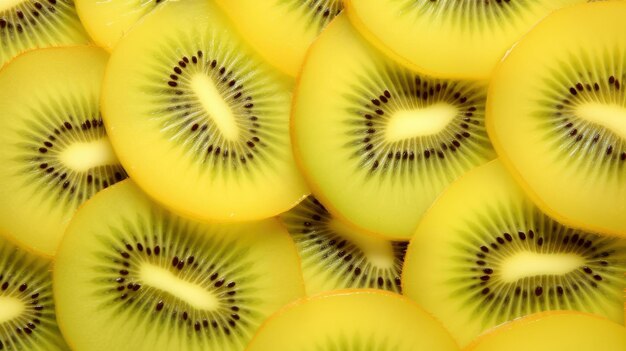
{"points": [[377, 142], [336, 255], [54, 150], [198, 119], [484, 254], [130, 275], [30, 24], [27, 317]]}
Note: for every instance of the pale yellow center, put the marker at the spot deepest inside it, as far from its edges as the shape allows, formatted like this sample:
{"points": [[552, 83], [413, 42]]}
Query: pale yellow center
{"points": [[529, 264], [84, 156], [377, 250], [192, 294], [10, 308], [7, 4], [610, 116], [425, 121], [215, 105]]}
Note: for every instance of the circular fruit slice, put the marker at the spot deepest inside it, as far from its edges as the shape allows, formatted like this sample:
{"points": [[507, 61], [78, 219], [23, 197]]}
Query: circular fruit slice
{"points": [[27, 318], [377, 142], [353, 320], [554, 331], [54, 150], [108, 21], [199, 122], [130, 275], [282, 30], [30, 24], [484, 255], [559, 118], [336, 255], [449, 38]]}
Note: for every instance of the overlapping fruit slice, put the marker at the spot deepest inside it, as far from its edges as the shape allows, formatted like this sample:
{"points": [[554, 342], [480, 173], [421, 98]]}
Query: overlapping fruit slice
{"points": [[378, 142], [198, 120], [451, 38], [559, 118], [130, 275], [353, 320], [54, 150], [484, 255]]}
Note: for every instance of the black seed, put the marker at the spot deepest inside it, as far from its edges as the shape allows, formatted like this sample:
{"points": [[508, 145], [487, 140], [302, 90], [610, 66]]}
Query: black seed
{"points": [[559, 290], [521, 235], [573, 91], [538, 291], [587, 270], [540, 241], [481, 263], [485, 291], [159, 306]]}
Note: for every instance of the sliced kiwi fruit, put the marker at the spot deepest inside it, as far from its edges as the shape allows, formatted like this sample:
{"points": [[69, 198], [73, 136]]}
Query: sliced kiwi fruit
{"points": [[449, 38], [30, 24], [27, 318], [337, 255], [131, 275], [198, 119], [54, 149], [559, 119], [484, 255], [282, 30], [352, 320], [378, 142], [108, 21], [550, 331]]}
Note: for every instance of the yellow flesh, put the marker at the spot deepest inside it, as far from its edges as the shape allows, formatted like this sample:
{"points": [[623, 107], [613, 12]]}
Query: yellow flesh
{"points": [[83, 156], [410, 123], [529, 264], [32, 219], [564, 187], [215, 105], [353, 320], [10, 308], [555, 331], [90, 323], [446, 46], [7, 4], [163, 167]]}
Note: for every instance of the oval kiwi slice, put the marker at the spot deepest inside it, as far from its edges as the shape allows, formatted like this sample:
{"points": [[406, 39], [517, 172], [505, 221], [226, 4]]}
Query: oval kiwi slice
{"points": [[353, 320], [130, 275], [198, 120], [377, 142], [484, 255], [337, 255], [450, 38], [282, 30], [54, 150], [27, 318], [559, 119], [551, 331], [30, 24]]}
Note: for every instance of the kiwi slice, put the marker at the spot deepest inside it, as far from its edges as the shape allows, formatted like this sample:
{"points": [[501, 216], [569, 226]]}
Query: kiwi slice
{"points": [[336, 255], [449, 38], [378, 142], [130, 275], [27, 318], [198, 119], [282, 30], [30, 24], [484, 255], [108, 21], [550, 331], [353, 320], [559, 119], [54, 149]]}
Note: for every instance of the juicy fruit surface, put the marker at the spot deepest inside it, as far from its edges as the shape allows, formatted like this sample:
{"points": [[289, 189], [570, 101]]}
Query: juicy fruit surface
{"points": [[361, 320], [335, 255], [500, 258], [200, 123], [559, 119], [449, 38], [555, 331], [130, 275], [377, 142], [108, 21], [282, 30], [27, 318], [53, 147], [30, 24]]}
